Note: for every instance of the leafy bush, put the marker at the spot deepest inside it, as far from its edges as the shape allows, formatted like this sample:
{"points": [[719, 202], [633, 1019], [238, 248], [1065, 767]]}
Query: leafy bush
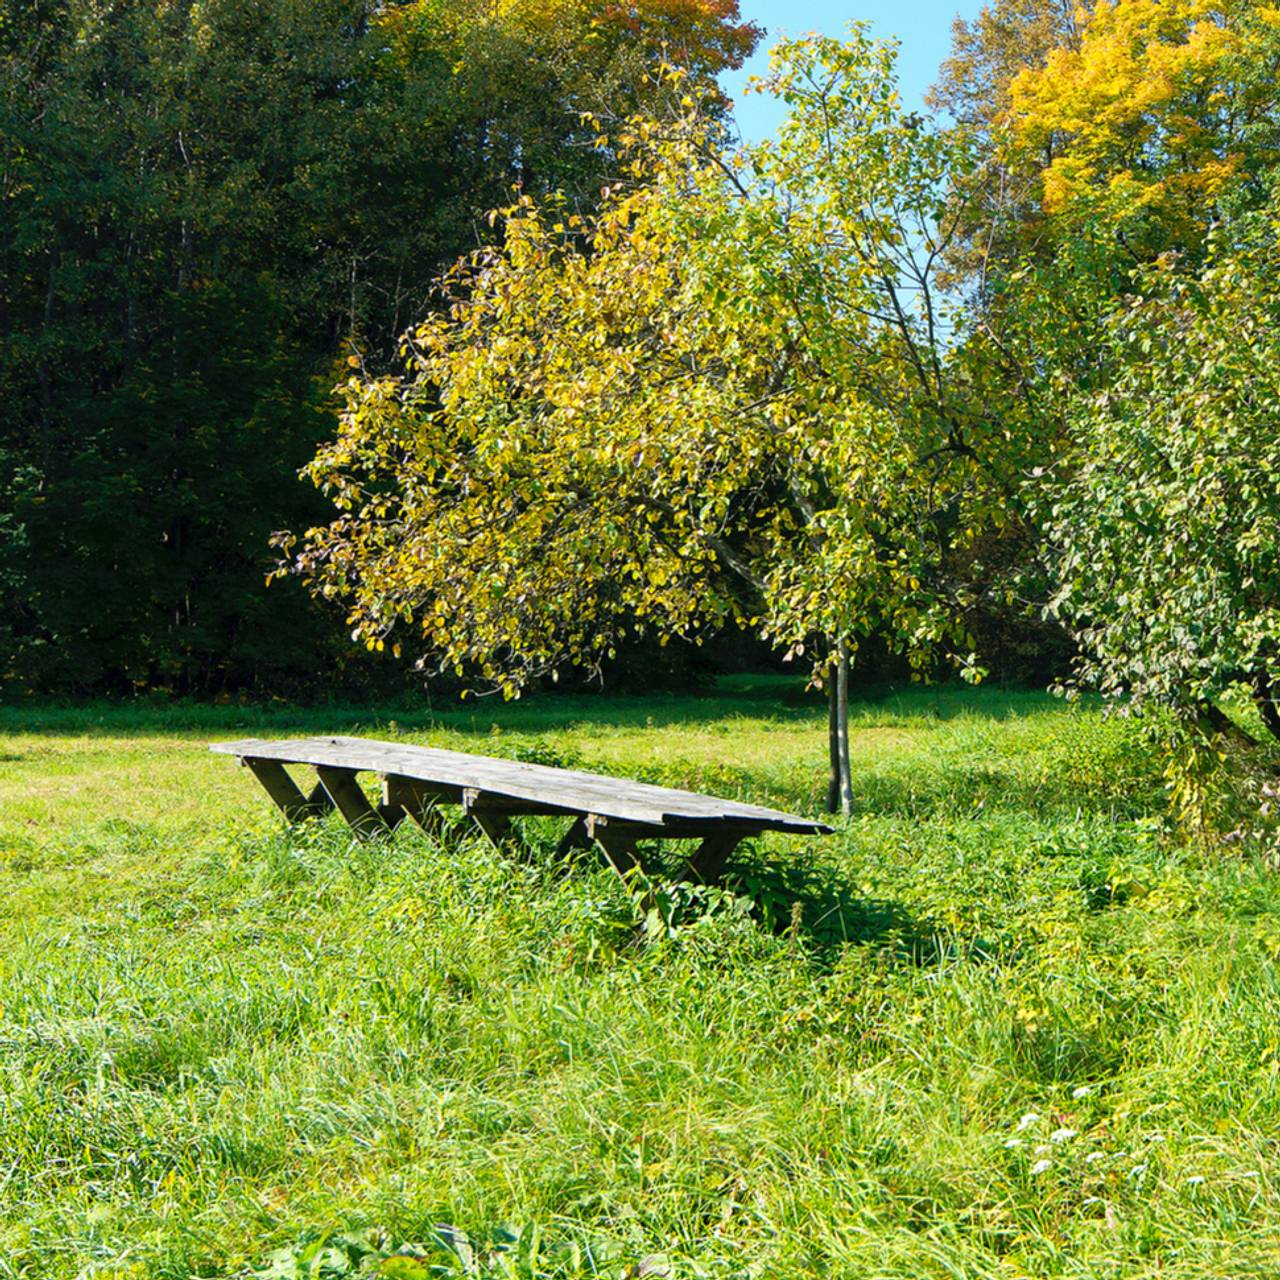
{"points": [[504, 1254], [1168, 523]]}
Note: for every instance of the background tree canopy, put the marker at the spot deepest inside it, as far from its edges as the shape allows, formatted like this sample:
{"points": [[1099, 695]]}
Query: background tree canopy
{"points": [[871, 378], [206, 210]]}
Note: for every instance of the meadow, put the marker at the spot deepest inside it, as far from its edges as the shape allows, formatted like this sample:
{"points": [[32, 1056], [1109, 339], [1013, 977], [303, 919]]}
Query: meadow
{"points": [[999, 1025]]}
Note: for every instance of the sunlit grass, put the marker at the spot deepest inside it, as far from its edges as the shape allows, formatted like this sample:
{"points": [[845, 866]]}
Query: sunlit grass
{"points": [[218, 1036]]}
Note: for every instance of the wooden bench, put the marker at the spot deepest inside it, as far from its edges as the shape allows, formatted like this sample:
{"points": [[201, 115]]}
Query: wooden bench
{"points": [[612, 813]]}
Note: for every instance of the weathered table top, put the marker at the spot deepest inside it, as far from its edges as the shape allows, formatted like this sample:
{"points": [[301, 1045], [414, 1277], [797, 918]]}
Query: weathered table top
{"points": [[571, 791]]}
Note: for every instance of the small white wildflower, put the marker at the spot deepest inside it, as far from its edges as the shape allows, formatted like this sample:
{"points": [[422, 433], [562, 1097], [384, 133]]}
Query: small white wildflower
{"points": [[1094, 1156], [1196, 1180], [1091, 1200], [1043, 1149], [1159, 1137], [1013, 1142], [1251, 1173], [1082, 1092], [1027, 1121], [1041, 1166], [1062, 1135], [1137, 1171]]}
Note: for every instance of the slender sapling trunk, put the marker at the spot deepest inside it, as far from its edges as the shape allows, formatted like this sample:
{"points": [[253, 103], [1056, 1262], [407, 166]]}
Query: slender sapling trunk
{"points": [[833, 747], [842, 729], [840, 778]]}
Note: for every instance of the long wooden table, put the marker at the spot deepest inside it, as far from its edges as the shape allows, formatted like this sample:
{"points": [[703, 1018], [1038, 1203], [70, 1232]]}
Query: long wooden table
{"points": [[611, 813]]}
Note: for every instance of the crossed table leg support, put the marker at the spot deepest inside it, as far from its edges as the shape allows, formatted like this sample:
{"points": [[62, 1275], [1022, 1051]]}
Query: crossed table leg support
{"points": [[406, 797]]}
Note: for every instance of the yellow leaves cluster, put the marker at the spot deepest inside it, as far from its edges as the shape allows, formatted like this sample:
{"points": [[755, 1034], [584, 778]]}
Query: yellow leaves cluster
{"points": [[686, 406], [1141, 114]]}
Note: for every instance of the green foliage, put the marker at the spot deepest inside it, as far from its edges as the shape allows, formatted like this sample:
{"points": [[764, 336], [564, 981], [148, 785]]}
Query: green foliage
{"points": [[1122, 254], [727, 394], [507, 1254], [206, 210], [1169, 521]]}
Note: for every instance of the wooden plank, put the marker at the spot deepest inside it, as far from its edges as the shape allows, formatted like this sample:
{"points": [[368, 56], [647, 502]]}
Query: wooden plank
{"points": [[679, 830], [564, 789], [351, 801], [556, 790], [474, 799], [612, 813], [414, 793]]}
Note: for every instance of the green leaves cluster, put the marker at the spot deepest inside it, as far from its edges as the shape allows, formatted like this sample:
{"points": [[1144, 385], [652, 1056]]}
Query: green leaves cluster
{"points": [[730, 392], [1168, 524], [525, 1253], [878, 376], [205, 209]]}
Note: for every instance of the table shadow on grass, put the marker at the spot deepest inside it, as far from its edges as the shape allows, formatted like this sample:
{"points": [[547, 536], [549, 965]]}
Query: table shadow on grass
{"points": [[826, 913]]}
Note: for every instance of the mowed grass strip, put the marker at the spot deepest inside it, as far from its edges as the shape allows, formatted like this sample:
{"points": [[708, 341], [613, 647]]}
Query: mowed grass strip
{"points": [[997, 1026]]}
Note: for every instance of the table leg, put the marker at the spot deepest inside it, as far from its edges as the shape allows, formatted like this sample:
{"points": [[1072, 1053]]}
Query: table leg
{"points": [[496, 826], [576, 837], [618, 848], [277, 783], [351, 801], [706, 863]]}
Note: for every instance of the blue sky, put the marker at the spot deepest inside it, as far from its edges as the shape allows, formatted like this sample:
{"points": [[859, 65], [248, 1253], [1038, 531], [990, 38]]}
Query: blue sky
{"points": [[922, 26]]}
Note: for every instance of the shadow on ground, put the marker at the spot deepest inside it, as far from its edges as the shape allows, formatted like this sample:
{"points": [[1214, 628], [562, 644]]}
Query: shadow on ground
{"points": [[827, 913]]}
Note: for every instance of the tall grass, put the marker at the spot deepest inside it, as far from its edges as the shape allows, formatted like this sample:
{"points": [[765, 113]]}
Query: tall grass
{"points": [[997, 1027]]}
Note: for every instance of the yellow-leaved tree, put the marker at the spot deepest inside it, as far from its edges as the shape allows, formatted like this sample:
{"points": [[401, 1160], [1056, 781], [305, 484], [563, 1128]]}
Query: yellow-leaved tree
{"points": [[1151, 116], [1141, 153], [733, 391]]}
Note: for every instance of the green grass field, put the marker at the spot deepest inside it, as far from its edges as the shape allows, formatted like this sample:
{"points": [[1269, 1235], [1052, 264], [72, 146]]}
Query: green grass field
{"points": [[997, 1026]]}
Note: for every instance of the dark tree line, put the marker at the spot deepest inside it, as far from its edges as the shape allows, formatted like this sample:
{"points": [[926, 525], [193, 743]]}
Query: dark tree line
{"points": [[206, 211]]}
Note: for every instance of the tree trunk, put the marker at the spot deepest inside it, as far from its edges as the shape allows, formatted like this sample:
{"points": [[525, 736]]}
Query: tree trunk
{"points": [[840, 779], [842, 729], [833, 746]]}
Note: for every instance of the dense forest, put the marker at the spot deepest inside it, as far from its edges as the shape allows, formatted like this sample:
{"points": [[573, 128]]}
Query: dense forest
{"points": [[207, 211], [574, 372]]}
